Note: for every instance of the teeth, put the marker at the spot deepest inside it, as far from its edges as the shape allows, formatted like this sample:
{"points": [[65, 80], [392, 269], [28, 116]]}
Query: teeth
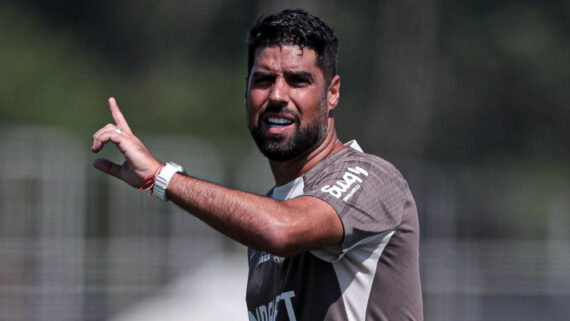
{"points": [[280, 121]]}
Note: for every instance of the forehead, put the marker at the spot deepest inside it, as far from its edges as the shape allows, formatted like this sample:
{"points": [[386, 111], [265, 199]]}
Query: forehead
{"points": [[285, 58]]}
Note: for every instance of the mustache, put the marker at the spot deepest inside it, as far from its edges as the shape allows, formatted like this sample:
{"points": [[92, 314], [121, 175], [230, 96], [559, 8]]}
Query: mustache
{"points": [[279, 108]]}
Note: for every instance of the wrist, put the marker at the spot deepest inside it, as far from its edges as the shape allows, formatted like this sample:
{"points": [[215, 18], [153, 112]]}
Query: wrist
{"points": [[148, 181], [163, 178]]}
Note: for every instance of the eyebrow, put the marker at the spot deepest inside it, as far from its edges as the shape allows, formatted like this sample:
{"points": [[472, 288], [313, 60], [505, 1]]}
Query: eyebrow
{"points": [[287, 74], [301, 74], [262, 74]]}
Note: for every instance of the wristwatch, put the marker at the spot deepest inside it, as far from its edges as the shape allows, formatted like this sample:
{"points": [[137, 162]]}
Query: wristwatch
{"points": [[163, 178]]}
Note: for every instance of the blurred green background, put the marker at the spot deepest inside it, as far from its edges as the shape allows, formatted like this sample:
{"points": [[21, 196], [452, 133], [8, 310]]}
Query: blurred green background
{"points": [[469, 99], [454, 81]]}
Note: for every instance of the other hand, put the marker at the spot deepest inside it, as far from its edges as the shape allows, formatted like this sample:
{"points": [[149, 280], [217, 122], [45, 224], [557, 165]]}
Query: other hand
{"points": [[139, 162]]}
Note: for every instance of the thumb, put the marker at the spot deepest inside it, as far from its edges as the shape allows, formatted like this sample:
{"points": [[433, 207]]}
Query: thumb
{"points": [[107, 166]]}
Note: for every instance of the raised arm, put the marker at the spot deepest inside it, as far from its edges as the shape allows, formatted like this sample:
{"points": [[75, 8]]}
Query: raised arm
{"points": [[279, 227]]}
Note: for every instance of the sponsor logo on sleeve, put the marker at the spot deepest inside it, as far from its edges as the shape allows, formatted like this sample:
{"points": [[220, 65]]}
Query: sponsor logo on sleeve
{"points": [[351, 180]]}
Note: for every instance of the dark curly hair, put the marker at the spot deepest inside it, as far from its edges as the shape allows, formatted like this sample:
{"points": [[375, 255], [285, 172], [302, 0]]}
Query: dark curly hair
{"points": [[300, 28]]}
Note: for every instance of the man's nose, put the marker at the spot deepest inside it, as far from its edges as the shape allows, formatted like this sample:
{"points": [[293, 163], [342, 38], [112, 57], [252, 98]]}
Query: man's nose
{"points": [[279, 91]]}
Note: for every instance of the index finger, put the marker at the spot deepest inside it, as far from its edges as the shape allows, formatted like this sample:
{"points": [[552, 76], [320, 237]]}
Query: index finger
{"points": [[118, 117]]}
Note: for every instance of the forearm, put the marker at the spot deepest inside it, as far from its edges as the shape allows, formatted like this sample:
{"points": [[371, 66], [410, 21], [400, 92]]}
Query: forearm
{"points": [[282, 228], [247, 218]]}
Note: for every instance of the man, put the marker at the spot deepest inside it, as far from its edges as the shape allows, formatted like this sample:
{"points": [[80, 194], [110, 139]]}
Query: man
{"points": [[337, 238]]}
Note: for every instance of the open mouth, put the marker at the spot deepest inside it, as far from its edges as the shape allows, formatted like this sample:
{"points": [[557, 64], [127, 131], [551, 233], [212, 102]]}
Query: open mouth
{"points": [[278, 122]]}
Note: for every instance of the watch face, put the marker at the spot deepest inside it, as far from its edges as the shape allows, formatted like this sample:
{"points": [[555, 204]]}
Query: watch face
{"points": [[178, 168]]}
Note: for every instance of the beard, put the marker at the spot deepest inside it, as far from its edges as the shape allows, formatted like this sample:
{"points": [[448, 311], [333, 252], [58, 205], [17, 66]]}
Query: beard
{"points": [[281, 147]]}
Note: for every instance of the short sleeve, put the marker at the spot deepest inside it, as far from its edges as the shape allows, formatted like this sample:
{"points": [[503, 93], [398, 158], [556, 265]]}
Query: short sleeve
{"points": [[368, 194]]}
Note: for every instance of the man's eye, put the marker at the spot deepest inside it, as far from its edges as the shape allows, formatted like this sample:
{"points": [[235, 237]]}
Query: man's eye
{"points": [[263, 80], [299, 81]]}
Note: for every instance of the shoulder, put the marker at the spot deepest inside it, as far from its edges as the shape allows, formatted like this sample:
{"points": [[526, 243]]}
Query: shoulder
{"points": [[368, 193], [352, 164]]}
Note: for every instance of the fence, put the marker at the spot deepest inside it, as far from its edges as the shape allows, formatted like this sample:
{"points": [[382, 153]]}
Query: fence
{"points": [[77, 245]]}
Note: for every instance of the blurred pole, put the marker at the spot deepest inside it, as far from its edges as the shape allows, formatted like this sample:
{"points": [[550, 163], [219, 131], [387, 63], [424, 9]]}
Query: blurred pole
{"points": [[61, 240], [406, 34], [559, 243], [42, 237]]}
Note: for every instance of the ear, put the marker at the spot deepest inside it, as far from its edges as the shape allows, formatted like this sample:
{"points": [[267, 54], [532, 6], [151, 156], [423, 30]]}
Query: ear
{"points": [[333, 92]]}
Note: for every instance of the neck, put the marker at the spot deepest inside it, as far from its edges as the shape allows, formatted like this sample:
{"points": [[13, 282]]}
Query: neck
{"points": [[286, 171]]}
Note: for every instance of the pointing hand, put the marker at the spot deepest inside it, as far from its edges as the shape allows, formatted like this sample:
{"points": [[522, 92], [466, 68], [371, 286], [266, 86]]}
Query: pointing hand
{"points": [[139, 162]]}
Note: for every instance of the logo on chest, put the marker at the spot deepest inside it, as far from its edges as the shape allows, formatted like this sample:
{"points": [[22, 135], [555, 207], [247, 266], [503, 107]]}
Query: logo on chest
{"points": [[269, 311]]}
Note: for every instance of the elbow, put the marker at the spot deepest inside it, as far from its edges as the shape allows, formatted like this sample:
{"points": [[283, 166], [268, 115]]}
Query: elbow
{"points": [[281, 242]]}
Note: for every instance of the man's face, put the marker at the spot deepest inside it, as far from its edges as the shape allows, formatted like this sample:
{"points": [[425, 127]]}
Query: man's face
{"points": [[286, 103]]}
